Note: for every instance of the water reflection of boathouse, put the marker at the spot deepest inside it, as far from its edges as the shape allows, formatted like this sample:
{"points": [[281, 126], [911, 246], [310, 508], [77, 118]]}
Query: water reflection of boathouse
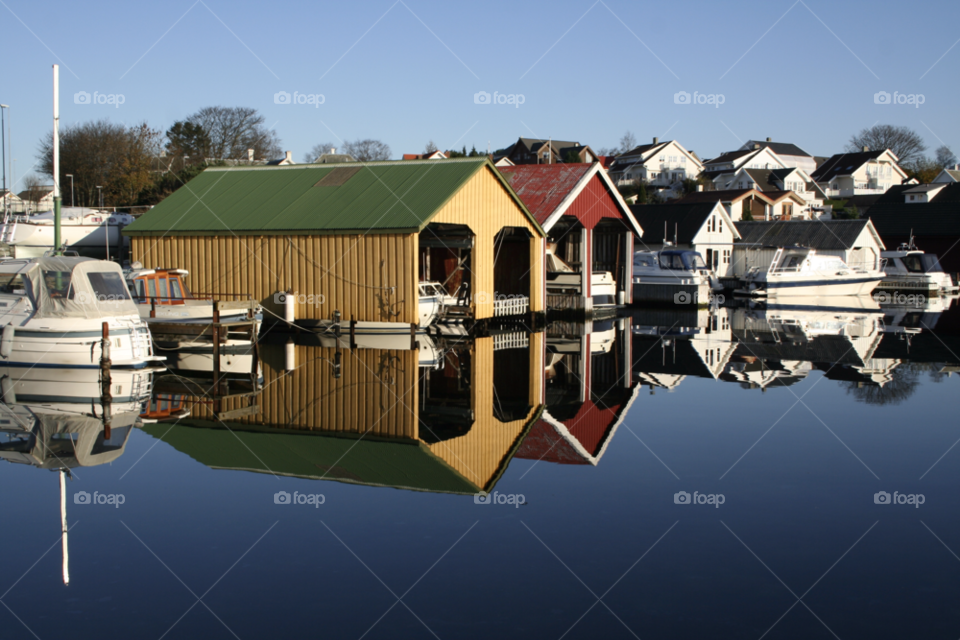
{"points": [[445, 417]]}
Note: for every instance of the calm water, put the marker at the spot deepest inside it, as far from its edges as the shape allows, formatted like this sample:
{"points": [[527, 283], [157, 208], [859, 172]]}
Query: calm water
{"points": [[793, 420]]}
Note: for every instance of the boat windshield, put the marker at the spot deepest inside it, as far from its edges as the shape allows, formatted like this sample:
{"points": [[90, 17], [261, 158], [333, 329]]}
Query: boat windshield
{"points": [[644, 260], [58, 284], [12, 283], [913, 263], [931, 263], [681, 261], [108, 285]]}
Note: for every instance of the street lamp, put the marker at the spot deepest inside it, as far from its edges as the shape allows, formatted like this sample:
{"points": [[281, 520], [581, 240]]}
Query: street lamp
{"points": [[70, 175]]}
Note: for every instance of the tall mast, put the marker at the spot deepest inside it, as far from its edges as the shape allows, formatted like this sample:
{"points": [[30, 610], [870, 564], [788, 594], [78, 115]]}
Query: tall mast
{"points": [[63, 526], [56, 159]]}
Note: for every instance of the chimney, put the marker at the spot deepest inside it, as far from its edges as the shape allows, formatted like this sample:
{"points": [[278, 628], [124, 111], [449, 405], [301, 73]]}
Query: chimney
{"points": [[756, 145], [249, 155], [866, 148], [288, 156], [656, 140], [333, 150], [769, 139]]}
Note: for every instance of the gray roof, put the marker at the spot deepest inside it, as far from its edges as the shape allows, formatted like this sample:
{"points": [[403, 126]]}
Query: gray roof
{"points": [[892, 216], [844, 164], [823, 235], [779, 148], [334, 158], [683, 219]]}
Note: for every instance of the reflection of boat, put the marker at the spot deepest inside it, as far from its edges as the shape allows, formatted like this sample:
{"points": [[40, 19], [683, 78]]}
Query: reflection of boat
{"points": [[65, 389], [912, 270], [53, 311], [30, 236], [913, 318], [799, 271]]}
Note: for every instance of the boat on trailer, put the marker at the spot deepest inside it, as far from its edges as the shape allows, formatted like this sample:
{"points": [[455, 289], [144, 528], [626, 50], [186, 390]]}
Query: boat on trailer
{"points": [[801, 271], [56, 312]]}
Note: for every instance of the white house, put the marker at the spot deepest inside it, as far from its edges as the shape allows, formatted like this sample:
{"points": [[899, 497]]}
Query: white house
{"points": [[285, 160], [737, 202], [661, 164], [859, 174], [704, 227], [949, 174], [790, 154], [855, 241], [789, 179], [722, 169]]}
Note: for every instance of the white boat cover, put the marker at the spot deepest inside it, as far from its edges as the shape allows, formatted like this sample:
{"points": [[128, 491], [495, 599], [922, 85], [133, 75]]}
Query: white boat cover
{"points": [[69, 287]]}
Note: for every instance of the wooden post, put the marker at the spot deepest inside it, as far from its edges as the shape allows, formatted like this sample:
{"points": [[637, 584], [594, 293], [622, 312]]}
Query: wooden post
{"points": [[216, 348], [413, 336], [153, 307], [106, 396], [353, 332]]}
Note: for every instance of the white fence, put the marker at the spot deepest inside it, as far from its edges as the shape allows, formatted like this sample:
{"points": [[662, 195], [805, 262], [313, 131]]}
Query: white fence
{"points": [[511, 306]]}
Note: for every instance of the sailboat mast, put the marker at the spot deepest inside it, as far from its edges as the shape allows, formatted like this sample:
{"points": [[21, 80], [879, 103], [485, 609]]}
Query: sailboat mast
{"points": [[63, 526], [56, 159]]}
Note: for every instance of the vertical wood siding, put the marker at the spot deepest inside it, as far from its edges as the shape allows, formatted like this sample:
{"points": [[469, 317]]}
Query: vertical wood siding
{"points": [[486, 207], [350, 273]]}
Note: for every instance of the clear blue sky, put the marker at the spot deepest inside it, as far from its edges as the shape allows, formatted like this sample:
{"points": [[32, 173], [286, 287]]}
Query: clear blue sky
{"points": [[407, 71]]}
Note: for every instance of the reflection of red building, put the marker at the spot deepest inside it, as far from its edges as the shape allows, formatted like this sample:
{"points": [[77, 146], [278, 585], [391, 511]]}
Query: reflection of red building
{"points": [[589, 393]]}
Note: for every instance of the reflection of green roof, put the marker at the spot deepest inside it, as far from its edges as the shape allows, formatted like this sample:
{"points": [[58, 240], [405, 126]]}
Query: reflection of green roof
{"points": [[404, 464], [383, 197]]}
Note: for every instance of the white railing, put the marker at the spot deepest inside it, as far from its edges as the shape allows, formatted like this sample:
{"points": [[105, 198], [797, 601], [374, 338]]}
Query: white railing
{"points": [[513, 340], [512, 306]]}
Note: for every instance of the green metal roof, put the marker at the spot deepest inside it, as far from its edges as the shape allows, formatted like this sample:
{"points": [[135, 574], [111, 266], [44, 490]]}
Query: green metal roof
{"points": [[405, 464], [383, 197]]}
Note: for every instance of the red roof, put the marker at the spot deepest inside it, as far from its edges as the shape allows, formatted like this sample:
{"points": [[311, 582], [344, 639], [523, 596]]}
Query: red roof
{"points": [[542, 187], [590, 427]]}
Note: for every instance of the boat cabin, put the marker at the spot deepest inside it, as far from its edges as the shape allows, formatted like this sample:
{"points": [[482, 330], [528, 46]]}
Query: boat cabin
{"points": [[160, 286]]}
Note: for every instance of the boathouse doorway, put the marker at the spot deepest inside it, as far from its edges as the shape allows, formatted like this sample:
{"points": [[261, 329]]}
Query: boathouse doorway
{"points": [[511, 271]]}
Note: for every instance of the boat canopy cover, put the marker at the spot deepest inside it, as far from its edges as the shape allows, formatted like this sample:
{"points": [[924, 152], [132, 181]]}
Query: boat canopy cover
{"points": [[67, 287], [67, 440]]}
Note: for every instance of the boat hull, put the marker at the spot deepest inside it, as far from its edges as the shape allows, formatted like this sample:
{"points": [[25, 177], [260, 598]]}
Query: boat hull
{"points": [[804, 286]]}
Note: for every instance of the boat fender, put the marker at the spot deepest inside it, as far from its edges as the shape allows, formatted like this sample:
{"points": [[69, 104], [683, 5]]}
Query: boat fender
{"points": [[9, 390], [6, 343]]}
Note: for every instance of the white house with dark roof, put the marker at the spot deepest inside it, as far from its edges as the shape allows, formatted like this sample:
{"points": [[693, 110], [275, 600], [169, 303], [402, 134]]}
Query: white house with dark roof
{"points": [[790, 154], [661, 164], [548, 151], [722, 169], [790, 179], [859, 174], [702, 226]]}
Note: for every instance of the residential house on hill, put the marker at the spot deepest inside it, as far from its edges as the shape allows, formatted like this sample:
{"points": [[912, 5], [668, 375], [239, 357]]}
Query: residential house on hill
{"points": [[332, 157], [703, 226], [36, 199], [858, 174], [949, 174], [540, 151], [790, 154], [284, 161], [737, 202], [433, 155], [660, 164], [855, 241], [789, 179], [722, 169], [931, 216]]}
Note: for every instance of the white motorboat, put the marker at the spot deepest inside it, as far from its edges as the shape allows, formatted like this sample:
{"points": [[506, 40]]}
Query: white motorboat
{"points": [[910, 270], [563, 279], [799, 271], [673, 267], [162, 296], [53, 309], [30, 236]]}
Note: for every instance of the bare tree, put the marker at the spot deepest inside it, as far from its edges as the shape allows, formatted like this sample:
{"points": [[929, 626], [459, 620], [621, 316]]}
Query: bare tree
{"points": [[903, 141], [113, 156], [430, 148], [233, 130], [318, 150], [367, 150], [627, 142], [33, 189], [945, 157]]}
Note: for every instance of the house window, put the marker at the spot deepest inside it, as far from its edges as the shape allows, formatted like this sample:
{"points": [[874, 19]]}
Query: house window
{"points": [[683, 159], [720, 223], [726, 256]]}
